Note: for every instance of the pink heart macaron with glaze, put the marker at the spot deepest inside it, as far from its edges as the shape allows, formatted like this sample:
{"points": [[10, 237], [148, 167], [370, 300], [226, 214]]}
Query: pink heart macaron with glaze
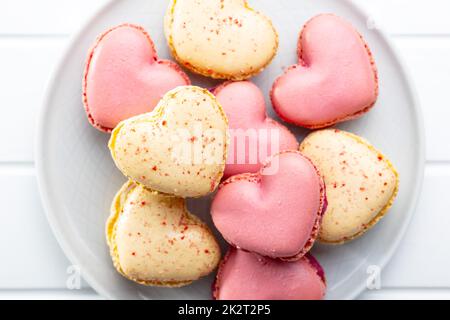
{"points": [[275, 212], [335, 80], [247, 276], [124, 77], [253, 135]]}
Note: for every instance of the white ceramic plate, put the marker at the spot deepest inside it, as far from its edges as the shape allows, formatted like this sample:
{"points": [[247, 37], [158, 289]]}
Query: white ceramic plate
{"points": [[78, 179]]}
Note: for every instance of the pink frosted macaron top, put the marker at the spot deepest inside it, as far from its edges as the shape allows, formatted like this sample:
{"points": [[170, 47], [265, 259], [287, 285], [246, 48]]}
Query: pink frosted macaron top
{"points": [[247, 276], [275, 212], [335, 80], [254, 136], [124, 77]]}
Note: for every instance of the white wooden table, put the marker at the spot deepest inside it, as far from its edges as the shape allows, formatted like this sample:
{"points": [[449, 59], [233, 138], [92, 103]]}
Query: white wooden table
{"points": [[33, 34]]}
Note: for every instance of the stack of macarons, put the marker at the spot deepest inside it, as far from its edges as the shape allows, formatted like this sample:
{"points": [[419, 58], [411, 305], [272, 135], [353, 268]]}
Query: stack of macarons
{"points": [[273, 197]]}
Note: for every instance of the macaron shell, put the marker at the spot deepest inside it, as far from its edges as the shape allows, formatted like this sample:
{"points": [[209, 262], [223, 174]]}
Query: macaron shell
{"points": [[124, 77], [247, 276], [335, 80], [223, 39], [254, 136], [154, 240], [361, 183], [180, 148], [275, 212]]}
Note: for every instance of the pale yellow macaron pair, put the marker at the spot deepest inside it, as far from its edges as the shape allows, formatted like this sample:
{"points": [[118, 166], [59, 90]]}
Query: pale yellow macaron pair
{"points": [[176, 151]]}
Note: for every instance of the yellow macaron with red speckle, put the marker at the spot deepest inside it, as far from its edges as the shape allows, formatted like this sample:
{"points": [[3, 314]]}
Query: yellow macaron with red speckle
{"points": [[155, 241], [361, 183], [224, 39], [179, 148]]}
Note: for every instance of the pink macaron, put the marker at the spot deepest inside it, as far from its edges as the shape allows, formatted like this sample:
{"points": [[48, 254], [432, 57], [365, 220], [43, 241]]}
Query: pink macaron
{"points": [[335, 79], [275, 212], [247, 276], [124, 77], [254, 136]]}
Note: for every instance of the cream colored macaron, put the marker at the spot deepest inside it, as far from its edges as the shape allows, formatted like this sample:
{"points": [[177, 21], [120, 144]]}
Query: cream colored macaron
{"points": [[361, 183], [155, 241], [179, 148], [223, 39]]}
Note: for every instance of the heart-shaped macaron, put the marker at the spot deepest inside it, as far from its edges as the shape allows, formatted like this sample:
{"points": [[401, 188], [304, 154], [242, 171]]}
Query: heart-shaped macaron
{"points": [[247, 276], [124, 77], [335, 80], [223, 39], [154, 240], [361, 183], [275, 212], [253, 136], [179, 148]]}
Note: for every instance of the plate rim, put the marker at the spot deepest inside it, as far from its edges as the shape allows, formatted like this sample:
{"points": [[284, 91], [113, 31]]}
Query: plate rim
{"points": [[43, 180]]}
